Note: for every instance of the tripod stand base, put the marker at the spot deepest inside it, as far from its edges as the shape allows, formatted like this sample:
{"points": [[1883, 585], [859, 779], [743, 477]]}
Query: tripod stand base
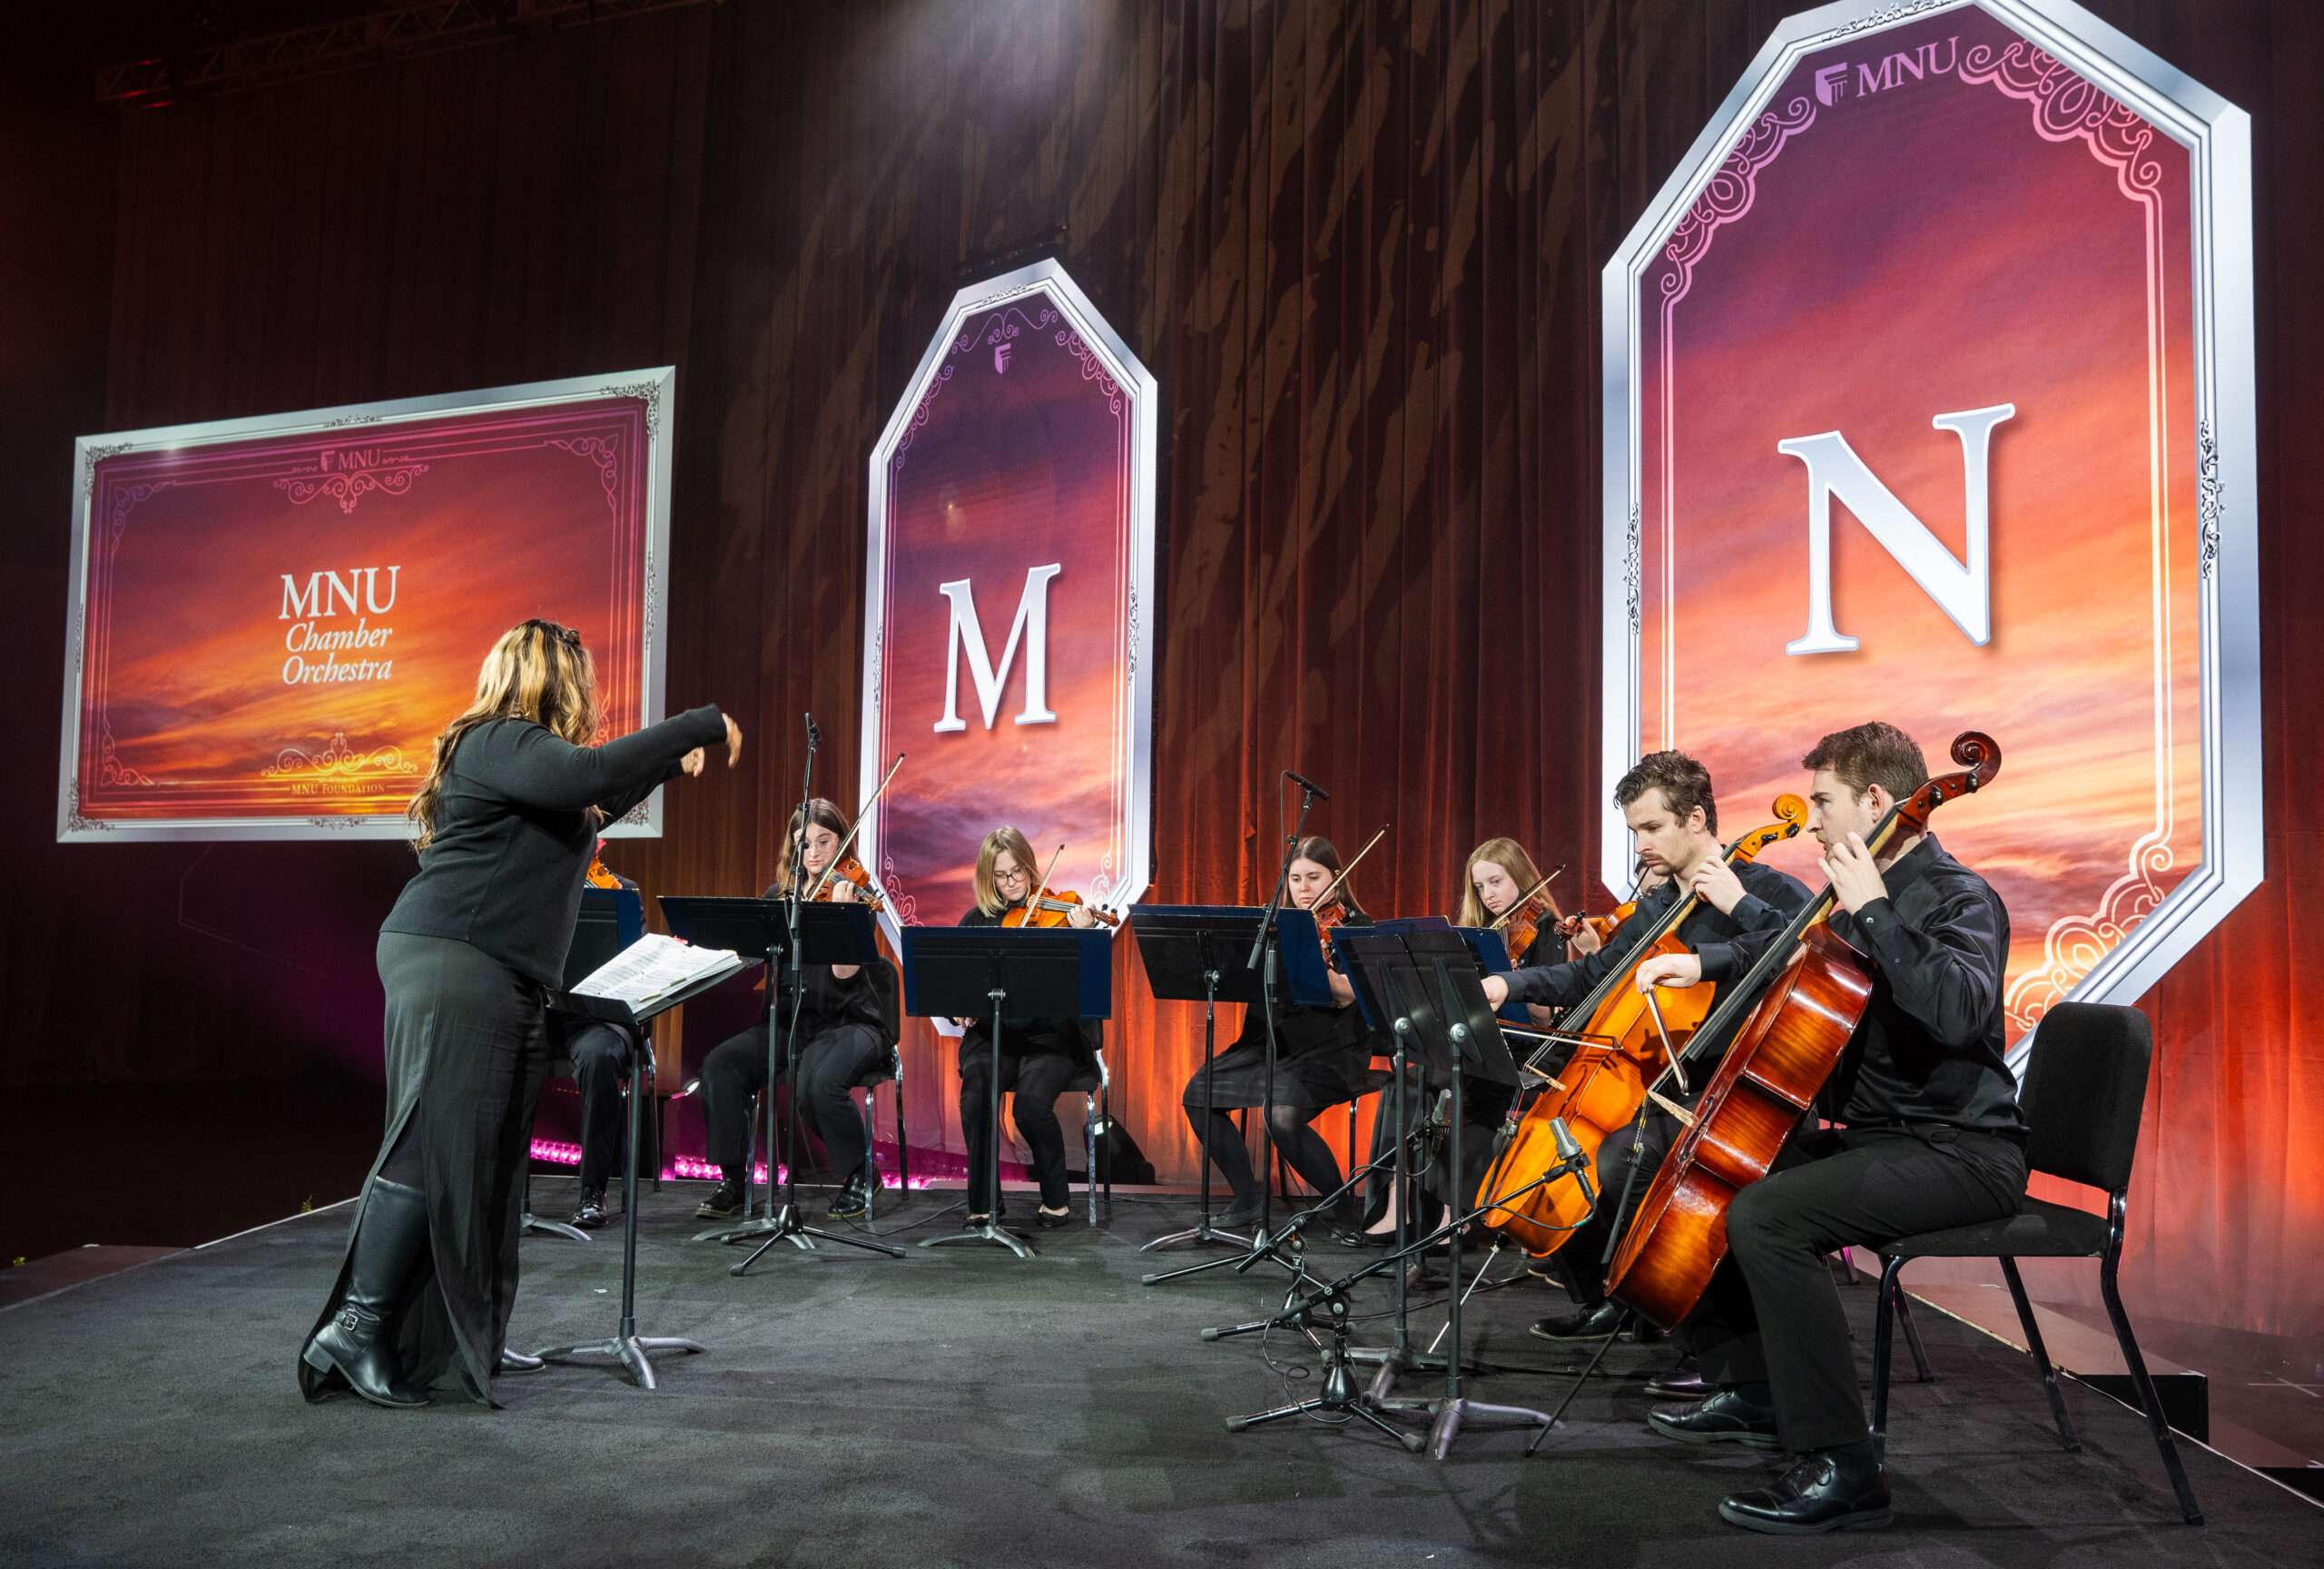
{"points": [[987, 1231], [533, 1223], [1452, 1416], [1201, 1232], [786, 1226], [630, 1350], [1359, 1407], [742, 1232]]}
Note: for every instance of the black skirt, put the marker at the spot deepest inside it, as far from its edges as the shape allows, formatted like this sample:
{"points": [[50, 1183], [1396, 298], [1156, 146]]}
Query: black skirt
{"points": [[466, 1053], [1322, 1058]]}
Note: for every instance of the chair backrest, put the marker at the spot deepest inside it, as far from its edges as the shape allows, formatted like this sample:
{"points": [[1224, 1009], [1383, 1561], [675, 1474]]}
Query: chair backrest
{"points": [[2085, 1091]]}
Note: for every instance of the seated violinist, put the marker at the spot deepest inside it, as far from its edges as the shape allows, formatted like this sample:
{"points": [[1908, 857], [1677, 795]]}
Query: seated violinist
{"points": [[1673, 817], [844, 1030], [1322, 1058], [1500, 888], [1038, 1057], [1933, 1139]]}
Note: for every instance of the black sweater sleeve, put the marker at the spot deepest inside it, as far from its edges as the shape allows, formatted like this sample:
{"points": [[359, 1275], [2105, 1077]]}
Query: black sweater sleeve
{"points": [[530, 765]]}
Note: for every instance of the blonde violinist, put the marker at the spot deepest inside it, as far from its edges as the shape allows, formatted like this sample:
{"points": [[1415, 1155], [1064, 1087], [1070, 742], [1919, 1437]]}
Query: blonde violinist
{"points": [[845, 1027], [1322, 1059], [1039, 1057]]}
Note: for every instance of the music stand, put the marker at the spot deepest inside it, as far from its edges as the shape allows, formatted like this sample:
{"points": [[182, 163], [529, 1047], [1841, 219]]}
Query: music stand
{"points": [[1011, 973], [1204, 951], [1437, 994], [609, 920], [628, 1345], [829, 933], [1196, 951]]}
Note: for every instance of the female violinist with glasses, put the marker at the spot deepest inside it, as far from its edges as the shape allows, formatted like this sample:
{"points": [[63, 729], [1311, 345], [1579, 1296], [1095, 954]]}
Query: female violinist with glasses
{"points": [[1322, 1059], [846, 1026], [1038, 1057]]}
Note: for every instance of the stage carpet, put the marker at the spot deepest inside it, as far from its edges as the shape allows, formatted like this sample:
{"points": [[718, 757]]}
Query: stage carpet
{"points": [[960, 1407]]}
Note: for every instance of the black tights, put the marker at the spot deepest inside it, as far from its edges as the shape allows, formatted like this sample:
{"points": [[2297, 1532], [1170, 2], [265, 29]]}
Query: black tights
{"points": [[1288, 1125]]}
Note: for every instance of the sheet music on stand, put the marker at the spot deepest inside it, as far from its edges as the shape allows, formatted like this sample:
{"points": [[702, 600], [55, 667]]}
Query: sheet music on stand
{"points": [[655, 966]]}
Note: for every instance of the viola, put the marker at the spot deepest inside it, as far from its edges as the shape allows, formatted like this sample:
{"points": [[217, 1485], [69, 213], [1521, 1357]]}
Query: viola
{"points": [[1521, 924], [1601, 1087], [851, 869], [1816, 990], [1050, 909]]}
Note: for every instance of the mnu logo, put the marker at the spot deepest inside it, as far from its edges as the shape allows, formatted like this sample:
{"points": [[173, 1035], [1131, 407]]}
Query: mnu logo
{"points": [[1833, 83]]}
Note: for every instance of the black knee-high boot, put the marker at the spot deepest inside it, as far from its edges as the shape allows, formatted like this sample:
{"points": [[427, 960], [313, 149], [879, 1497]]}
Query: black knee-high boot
{"points": [[360, 1342]]}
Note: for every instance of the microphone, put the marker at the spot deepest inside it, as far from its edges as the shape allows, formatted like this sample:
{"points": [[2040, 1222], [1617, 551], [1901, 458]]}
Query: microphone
{"points": [[1573, 1158], [813, 734], [1317, 790]]}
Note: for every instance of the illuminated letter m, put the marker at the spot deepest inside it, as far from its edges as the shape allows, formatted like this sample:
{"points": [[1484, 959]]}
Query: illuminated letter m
{"points": [[967, 635], [1962, 591]]}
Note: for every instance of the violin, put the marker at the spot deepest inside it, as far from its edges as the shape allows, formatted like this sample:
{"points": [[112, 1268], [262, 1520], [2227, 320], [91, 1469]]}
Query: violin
{"points": [[1800, 1005], [1051, 910], [1521, 924], [1601, 1087], [852, 871], [1329, 909], [1047, 909]]}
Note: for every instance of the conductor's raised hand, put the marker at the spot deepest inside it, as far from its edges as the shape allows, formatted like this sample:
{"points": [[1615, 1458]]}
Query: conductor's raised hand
{"points": [[1669, 970], [733, 740], [691, 764]]}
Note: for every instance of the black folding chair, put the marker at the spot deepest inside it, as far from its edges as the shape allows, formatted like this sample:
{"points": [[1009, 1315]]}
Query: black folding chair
{"points": [[2085, 1089]]}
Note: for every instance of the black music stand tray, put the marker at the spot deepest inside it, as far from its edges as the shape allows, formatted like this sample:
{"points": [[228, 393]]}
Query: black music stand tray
{"points": [[1050, 972], [628, 1345], [829, 933]]}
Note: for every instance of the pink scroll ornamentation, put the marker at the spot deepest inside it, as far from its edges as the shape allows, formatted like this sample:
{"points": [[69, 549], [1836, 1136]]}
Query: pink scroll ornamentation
{"points": [[920, 414], [1092, 368], [2066, 107], [348, 487], [1729, 195], [605, 451], [904, 907]]}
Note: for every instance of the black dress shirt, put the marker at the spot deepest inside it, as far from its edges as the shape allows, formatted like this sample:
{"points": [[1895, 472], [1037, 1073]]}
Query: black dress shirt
{"points": [[512, 836], [1929, 1049]]}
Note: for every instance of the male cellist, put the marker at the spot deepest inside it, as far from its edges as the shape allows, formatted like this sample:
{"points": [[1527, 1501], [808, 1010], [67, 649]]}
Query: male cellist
{"points": [[1933, 1139], [1673, 818]]}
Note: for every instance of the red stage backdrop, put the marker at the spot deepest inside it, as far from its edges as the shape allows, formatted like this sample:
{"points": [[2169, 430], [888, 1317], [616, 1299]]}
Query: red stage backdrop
{"points": [[274, 616]]}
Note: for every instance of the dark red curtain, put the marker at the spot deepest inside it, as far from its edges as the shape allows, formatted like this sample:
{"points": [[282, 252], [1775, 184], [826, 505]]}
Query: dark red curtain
{"points": [[1357, 244]]}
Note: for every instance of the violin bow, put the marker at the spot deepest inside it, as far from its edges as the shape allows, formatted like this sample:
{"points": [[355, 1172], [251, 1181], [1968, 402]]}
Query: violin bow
{"points": [[1326, 896], [1033, 904], [840, 854], [1530, 893]]}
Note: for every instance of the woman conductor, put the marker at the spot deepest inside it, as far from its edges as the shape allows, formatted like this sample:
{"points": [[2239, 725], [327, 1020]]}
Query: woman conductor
{"points": [[506, 820]]}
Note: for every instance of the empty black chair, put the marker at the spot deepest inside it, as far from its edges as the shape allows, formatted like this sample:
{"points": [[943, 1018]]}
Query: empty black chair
{"points": [[2085, 1089]]}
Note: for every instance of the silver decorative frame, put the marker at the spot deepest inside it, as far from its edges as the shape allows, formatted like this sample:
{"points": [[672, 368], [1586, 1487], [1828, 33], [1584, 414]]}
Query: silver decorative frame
{"points": [[2218, 137], [655, 386], [1048, 277]]}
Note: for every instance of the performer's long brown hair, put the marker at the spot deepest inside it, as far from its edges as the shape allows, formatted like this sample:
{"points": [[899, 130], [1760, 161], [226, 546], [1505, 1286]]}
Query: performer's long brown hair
{"points": [[988, 899], [822, 813], [538, 671]]}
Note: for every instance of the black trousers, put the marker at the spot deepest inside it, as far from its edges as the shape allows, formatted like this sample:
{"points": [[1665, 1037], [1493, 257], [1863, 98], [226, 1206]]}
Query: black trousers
{"points": [[1036, 1081], [1580, 1264], [601, 1056], [1484, 1108], [827, 1062], [1772, 1313]]}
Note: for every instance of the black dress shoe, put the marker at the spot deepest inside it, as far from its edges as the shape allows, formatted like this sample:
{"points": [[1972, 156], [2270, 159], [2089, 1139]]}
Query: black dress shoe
{"points": [[1684, 1382], [590, 1213], [852, 1202], [1048, 1221], [1240, 1215], [1721, 1417], [1822, 1492], [725, 1202], [517, 1362], [1589, 1324]]}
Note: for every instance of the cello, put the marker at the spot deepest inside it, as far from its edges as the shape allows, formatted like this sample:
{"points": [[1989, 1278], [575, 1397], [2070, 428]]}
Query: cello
{"points": [[1816, 990], [1601, 1087]]}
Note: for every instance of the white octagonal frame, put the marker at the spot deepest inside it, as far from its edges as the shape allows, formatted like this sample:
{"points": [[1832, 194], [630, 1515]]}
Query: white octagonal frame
{"points": [[2218, 137]]}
